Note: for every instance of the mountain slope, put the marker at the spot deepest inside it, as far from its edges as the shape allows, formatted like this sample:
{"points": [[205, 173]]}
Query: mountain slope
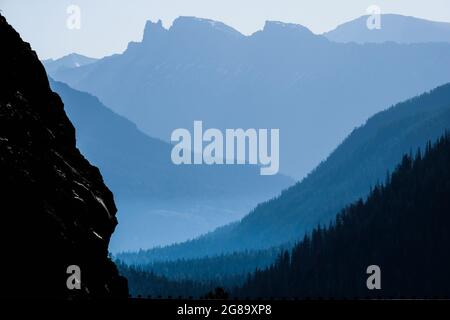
{"points": [[362, 160], [164, 203], [403, 228], [282, 77], [394, 28], [56, 210]]}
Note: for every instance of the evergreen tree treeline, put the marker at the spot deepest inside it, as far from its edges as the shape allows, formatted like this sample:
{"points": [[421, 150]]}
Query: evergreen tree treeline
{"points": [[147, 284], [403, 227], [232, 267]]}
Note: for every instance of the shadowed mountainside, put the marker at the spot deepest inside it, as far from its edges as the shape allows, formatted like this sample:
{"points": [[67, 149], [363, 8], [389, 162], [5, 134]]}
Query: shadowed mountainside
{"points": [[56, 210]]}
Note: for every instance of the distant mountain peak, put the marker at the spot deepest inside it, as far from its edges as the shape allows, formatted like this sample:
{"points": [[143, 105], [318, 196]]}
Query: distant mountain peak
{"points": [[152, 30], [274, 25], [292, 29], [194, 24], [72, 60], [74, 57], [394, 28]]}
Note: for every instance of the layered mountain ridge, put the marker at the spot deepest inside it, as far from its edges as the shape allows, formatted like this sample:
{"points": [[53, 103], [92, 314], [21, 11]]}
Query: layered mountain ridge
{"points": [[161, 202], [361, 161], [314, 90]]}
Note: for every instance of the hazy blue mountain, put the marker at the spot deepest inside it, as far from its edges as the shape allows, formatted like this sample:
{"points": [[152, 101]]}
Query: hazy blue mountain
{"points": [[359, 163], [396, 28], [159, 202], [314, 90], [73, 60]]}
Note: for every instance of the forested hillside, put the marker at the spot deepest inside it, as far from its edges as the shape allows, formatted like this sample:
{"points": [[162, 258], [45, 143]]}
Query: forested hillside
{"points": [[231, 269], [402, 228]]}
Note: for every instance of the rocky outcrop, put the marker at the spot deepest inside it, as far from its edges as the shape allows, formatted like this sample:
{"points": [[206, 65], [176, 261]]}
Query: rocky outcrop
{"points": [[55, 209]]}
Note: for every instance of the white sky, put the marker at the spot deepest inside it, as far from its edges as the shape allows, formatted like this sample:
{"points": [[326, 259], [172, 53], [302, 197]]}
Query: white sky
{"points": [[108, 25]]}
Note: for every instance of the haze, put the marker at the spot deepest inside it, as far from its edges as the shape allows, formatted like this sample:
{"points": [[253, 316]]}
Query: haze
{"points": [[107, 26]]}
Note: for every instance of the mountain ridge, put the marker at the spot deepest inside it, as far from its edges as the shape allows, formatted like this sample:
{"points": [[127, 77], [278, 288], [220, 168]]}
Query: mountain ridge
{"points": [[279, 74], [357, 164], [396, 28], [163, 202]]}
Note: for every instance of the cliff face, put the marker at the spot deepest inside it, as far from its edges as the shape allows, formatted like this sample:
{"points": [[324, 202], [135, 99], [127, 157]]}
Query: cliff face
{"points": [[55, 210]]}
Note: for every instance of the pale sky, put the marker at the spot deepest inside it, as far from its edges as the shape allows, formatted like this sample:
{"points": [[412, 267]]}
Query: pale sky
{"points": [[108, 25]]}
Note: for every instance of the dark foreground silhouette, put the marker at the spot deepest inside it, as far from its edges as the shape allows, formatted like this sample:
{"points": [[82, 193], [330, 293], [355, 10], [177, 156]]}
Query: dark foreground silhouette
{"points": [[55, 209]]}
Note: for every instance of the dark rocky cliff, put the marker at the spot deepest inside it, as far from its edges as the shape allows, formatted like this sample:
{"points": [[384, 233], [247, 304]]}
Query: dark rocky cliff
{"points": [[55, 210]]}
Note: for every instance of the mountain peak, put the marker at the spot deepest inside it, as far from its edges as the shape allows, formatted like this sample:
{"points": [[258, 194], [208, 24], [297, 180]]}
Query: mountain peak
{"points": [[278, 30], [394, 28], [72, 60], [278, 25], [152, 30], [200, 24]]}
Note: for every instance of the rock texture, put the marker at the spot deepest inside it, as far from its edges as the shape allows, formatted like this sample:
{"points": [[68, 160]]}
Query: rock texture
{"points": [[55, 210]]}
